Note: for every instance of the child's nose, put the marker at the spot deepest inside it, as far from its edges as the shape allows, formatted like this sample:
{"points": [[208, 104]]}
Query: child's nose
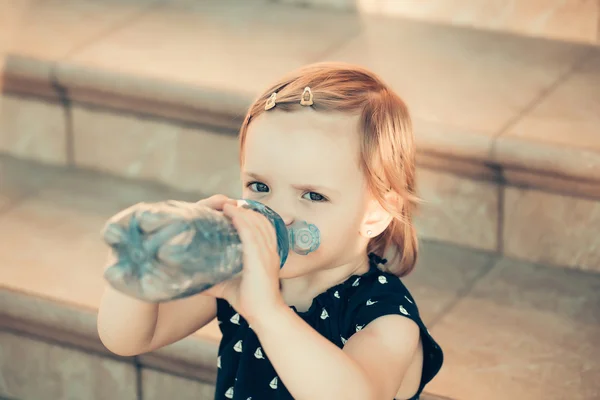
{"points": [[285, 215], [288, 220]]}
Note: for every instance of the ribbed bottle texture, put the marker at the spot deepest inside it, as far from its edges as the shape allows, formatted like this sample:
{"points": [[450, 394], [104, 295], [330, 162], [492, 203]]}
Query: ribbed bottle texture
{"points": [[169, 250]]}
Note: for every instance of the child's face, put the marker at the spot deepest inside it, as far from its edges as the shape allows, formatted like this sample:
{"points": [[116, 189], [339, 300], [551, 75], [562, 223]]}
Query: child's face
{"points": [[290, 151]]}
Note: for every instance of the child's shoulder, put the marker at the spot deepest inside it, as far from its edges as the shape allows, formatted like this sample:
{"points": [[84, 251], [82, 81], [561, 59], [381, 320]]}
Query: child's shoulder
{"points": [[379, 293]]}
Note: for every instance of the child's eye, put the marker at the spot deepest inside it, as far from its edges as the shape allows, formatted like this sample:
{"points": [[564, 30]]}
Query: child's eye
{"points": [[256, 183], [319, 197], [314, 196]]}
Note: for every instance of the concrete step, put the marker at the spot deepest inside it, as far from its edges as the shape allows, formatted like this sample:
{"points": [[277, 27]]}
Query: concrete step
{"points": [[506, 126], [570, 20], [509, 329]]}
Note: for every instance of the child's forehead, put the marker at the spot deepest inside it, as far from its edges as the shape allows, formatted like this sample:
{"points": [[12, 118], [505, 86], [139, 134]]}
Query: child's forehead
{"points": [[306, 129], [309, 143]]}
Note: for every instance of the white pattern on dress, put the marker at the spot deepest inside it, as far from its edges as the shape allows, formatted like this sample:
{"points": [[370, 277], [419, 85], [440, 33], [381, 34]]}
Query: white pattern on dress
{"points": [[235, 319], [324, 314], [219, 362], [336, 294], [382, 279], [238, 346], [403, 310], [370, 303], [258, 354], [359, 327], [408, 300], [273, 383], [343, 340], [356, 281], [229, 393]]}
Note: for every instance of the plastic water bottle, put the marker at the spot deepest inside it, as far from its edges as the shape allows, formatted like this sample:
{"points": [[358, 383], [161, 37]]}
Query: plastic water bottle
{"points": [[170, 250]]}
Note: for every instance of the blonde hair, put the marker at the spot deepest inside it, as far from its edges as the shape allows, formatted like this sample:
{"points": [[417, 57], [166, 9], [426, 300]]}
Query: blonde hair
{"points": [[387, 144]]}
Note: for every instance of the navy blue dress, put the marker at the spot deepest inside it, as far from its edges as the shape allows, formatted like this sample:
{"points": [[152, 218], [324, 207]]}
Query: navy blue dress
{"points": [[244, 370]]}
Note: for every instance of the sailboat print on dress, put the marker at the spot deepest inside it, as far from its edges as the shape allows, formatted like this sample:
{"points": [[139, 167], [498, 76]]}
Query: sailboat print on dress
{"points": [[382, 279], [356, 282], [258, 354], [324, 314], [370, 303], [336, 294], [359, 327], [219, 362], [408, 300], [273, 383], [343, 340], [229, 393], [238, 346], [403, 310], [235, 319]]}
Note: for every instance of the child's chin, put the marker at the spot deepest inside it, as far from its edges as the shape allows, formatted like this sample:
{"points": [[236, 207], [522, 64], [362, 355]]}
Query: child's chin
{"points": [[290, 268], [295, 266]]}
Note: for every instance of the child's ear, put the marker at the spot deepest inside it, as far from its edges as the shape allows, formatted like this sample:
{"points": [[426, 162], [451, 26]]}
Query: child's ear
{"points": [[377, 219]]}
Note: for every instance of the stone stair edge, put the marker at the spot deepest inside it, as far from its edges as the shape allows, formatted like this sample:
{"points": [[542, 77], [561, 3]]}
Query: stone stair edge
{"points": [[224, 110], [74, 325]]}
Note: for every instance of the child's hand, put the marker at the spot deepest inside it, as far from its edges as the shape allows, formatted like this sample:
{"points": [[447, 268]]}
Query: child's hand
{"points": [[256, 290]]}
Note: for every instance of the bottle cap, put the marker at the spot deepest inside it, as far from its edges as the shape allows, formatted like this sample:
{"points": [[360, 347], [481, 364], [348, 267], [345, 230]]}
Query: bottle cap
{"points": [[304, 237]]}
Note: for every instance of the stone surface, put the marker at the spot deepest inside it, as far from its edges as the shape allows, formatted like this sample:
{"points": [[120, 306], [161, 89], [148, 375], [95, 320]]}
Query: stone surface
{"points": [[31, 369], [335, 4], [443, 274], [560, 134], [523, 332], [33, 129], [14, 182], [64, 322], [10, 21], [557, 19], [160, 386], [552, 229], [191, 159], [457, 210], [52, 29], [460, 79], [229, 46], [557, 184]]}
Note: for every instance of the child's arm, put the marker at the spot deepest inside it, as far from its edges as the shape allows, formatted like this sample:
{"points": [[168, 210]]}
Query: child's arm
{"points": [[370, 367], [129, 327]]}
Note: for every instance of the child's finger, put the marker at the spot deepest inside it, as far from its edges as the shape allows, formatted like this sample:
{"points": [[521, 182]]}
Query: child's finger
{"points": [[250, 228], [249, 237], [262, 226], [217, 202]]}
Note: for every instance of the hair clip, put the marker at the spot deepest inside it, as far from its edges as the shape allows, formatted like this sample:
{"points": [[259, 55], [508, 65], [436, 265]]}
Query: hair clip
{"points": [[271, 101], [307, 97]]}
